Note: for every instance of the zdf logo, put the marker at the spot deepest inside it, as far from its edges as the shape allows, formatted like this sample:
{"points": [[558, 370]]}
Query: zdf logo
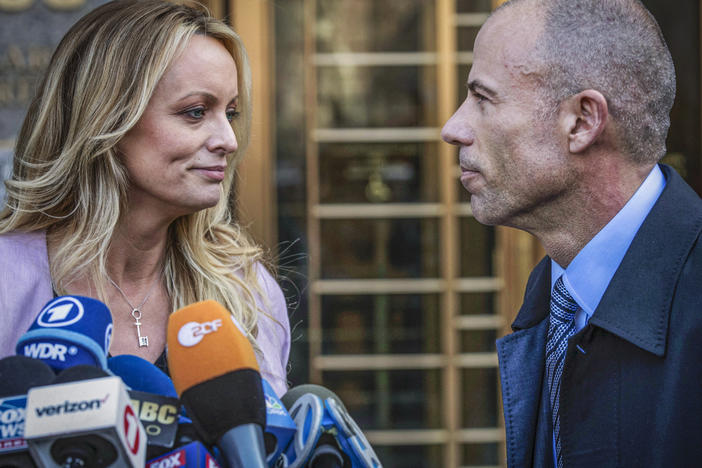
{"points": [[192, 333], [62, 312]]}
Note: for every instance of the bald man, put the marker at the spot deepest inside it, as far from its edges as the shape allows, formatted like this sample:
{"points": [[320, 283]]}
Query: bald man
{"points": [[561, 135]]}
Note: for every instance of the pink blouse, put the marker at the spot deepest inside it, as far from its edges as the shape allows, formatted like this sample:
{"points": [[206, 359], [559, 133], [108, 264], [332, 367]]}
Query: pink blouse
{"points": [[25, 287]]}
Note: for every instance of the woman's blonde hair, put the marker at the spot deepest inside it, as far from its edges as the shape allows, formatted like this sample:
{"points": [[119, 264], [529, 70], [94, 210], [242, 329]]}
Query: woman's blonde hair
{"points": [[68, 178]]}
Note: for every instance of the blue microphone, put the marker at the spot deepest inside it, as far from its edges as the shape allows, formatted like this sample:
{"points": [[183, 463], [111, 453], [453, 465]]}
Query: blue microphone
{"points": [[193, 455], [69, 331], [327, 435], [139, 374], [307, 416], [280, 427]]}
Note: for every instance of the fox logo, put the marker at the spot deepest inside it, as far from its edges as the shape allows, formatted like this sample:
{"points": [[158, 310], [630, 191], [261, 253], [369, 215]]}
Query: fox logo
{"points": [[173, 460]]}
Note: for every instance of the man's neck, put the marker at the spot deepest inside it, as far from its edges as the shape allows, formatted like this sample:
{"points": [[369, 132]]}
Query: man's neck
{"points": [[606, 187]]}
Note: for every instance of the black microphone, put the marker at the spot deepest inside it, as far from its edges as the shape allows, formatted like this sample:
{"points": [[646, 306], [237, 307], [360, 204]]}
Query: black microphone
{"points": [[216, 374], [84, 419], [17, 375], [20, 373]]}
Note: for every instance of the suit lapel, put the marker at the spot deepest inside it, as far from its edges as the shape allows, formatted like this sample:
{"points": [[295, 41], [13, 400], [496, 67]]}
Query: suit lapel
{"points": [[521, 357]]}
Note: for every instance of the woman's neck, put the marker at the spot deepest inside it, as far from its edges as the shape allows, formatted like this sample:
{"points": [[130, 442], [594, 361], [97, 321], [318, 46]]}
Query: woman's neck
{"points": [[136, 255]]}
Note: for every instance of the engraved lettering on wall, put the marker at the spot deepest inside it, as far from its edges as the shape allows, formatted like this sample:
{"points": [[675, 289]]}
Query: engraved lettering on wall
{"points": [[21, 5]]}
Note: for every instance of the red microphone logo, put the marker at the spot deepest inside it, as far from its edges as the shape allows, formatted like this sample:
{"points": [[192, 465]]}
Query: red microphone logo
{"points": [[131, 430]]}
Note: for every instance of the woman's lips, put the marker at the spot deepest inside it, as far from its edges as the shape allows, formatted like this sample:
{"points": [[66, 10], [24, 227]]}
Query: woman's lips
{"points": [[215, 173]]}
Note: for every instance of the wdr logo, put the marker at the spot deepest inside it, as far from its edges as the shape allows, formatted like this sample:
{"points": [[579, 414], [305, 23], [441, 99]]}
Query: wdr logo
{"points": [[62, 312], [52, 351]]}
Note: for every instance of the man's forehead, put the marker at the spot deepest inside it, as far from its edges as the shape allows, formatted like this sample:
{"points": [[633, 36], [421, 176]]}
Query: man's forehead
{"points": [[507, 41], [514, 28]]}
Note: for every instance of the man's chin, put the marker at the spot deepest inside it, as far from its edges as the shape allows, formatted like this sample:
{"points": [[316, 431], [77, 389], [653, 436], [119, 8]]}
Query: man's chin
{"points": [[484, 213]]}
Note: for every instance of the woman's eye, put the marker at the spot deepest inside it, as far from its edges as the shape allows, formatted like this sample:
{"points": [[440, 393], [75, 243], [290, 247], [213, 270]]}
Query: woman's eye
{"points": [[232, 114], [196, 113]]}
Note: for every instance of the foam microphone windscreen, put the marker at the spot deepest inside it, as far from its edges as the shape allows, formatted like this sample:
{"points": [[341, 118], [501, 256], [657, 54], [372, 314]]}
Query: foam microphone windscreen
{"points": [[139, 374], [69, 330], [294, 393], [338, 430], [214, 370], [80, 372], [20, 373]]}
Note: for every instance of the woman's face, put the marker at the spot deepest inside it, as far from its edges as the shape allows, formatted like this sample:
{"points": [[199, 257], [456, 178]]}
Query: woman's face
{"points": [[176, 154]]}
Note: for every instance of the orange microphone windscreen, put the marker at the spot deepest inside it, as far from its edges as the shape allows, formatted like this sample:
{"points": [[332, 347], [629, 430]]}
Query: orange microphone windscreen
{"points": [[203, 343]]}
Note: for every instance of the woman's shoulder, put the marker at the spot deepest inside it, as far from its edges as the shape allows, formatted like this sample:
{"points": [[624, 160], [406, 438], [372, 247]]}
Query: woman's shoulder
{"points": [[25, 283], [266, 280], [23, 237], [273, 330], [273, 300], [23, 248]]}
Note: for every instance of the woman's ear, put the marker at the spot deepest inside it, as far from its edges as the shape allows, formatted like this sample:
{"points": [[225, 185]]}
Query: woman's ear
{"points": [[584, 117]]}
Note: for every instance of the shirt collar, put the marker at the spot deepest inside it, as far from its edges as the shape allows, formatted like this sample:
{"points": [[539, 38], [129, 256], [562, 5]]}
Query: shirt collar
{"points": [[590, 272]]}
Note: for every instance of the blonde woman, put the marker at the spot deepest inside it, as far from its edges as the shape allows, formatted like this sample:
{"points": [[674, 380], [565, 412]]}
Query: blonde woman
{"points": [[122, 180]]}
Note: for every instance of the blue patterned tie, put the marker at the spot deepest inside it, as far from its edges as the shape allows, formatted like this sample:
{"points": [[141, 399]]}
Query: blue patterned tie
{"points": [[561, 327]]}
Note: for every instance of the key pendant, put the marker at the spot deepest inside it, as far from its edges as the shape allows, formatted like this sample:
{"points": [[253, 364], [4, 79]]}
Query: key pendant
{"points": [[143, 340]]}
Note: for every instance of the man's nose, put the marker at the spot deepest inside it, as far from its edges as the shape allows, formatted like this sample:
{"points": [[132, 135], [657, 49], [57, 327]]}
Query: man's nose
{"points": [[457, 130]]}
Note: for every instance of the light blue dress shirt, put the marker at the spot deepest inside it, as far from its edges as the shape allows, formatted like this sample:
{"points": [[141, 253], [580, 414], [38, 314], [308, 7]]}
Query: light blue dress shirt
{"points": [[590, 272]]}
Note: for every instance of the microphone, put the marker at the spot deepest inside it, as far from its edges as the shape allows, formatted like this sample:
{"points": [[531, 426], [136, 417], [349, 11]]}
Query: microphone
{"points": [[280, 427], [17, 375], [154, 399], [193, 455], [69, 331], [216, 374], [139, 374], [328, 437], [84, 420]]}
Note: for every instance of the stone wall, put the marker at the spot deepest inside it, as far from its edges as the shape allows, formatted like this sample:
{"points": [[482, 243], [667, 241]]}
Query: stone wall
{"points": [[29, 32]]}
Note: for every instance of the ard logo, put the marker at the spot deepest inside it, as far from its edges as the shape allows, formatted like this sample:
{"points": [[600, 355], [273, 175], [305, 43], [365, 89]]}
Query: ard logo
{"points": [[21, 5], [61, 312]]}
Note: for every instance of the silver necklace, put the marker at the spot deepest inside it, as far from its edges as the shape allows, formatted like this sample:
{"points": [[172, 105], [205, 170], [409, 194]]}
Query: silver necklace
{"points": [[136, 311]]}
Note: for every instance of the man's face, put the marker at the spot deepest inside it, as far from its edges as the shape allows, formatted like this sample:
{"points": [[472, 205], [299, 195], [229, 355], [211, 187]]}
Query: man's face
{"points": [[511, 159]]}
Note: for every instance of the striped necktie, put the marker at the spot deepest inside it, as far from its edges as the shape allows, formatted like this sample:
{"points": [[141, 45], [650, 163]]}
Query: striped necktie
{"points": [[561, 327]]}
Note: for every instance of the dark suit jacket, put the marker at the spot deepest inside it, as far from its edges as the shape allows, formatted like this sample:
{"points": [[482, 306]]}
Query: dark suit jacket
{"points": [[633, 398]]}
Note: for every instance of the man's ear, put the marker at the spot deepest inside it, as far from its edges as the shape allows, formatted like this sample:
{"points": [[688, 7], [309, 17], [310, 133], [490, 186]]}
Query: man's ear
{"points": [[584, 118]]}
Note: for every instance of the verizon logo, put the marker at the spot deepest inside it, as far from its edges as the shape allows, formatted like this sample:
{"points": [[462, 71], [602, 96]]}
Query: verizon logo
{"points": [[71, 407]]}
